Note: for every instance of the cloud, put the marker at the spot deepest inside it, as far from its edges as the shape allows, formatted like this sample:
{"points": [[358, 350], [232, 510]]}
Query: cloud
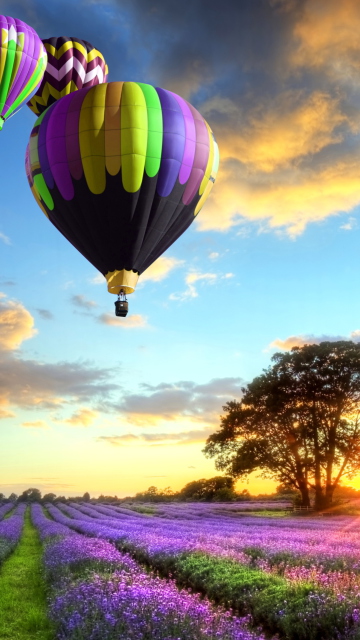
{"points": [[178, 401], [302, 340], [289, 200], [81, 301], [135, 321], [195, 436], [190, 280], [213, 255], [82, 417], [98, 279], [349, 225], [4, 238], [42, 478], [6, 414], [37, 424], [31, 384], [280, 131], [160, 269], [334, 48], [16, 325], [45, 314]]}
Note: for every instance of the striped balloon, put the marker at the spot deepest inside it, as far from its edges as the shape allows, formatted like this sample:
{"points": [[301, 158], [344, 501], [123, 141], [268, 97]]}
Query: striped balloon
{"points": [[22, 64], [72, 64], [121, 170]]}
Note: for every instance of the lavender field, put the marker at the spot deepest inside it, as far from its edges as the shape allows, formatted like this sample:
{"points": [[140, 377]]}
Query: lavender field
{"points": [[192, 571]]}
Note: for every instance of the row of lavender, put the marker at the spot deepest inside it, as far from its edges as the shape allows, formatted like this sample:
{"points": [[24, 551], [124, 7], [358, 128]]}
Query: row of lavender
{"points": [[312, 542], [99, 593], [299, 556], [10, 528]]}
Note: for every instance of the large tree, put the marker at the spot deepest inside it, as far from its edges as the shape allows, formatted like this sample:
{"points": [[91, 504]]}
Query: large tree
{"points": [[297, 423]]}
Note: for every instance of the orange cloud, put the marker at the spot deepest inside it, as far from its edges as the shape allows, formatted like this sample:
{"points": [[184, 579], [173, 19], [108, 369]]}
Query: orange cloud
{"points": [[327, 36], [278, 131], [16, 325], [83, 417], [5, 414], [293, 341], [301, 340], [38, 424], [286, 199]]}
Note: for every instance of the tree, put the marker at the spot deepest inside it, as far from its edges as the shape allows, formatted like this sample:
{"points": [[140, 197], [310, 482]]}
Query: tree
{"points": [[13, 497], [49, 497], [86, 497], [30, 495], [298, 422], [207, 489]]}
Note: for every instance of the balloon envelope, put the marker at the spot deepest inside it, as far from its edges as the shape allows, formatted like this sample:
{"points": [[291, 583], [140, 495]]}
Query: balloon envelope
{"points": [[121, 170], [22, 64], [72, 64]]}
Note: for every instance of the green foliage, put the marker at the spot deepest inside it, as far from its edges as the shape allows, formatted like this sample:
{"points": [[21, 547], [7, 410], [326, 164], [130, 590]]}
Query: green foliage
{"points": [[223, 580], [297, 423], [30, 495], [219, 487], [295, 612], [22, 591]]}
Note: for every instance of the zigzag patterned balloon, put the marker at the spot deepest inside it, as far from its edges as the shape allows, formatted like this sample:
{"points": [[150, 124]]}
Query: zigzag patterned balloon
{"points": [[22, 64], [72, 64]]}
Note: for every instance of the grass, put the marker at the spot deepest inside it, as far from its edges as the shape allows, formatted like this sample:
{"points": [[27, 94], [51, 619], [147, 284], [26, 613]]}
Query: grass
{"points": [[22, 591]]}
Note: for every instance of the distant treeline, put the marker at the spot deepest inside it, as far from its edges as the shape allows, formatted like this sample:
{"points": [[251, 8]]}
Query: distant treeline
{"points": [[217, 489]]}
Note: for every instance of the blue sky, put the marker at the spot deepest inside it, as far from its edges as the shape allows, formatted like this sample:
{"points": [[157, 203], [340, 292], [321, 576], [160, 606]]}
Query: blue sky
{"points": [[91, 402]]}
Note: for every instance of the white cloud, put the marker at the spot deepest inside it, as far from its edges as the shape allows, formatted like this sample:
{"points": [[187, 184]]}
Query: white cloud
{"points": [[135, 321], [349, 225], [98, 279], [4, 238], [191, 279]]}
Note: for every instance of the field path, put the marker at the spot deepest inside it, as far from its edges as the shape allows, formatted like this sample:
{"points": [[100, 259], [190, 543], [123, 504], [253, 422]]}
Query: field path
{"points": [[23, 592]]}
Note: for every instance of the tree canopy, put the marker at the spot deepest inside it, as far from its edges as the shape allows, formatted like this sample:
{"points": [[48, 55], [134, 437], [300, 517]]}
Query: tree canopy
{"points": [[297, 423]]}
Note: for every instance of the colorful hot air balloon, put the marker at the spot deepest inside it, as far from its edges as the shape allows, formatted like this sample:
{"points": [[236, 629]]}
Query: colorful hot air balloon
{"points": [[72, 64], [121, 170], [22, 64]]}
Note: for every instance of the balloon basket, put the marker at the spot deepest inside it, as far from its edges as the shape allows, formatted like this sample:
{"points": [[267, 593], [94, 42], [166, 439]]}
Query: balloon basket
{"points": [[121, 305]]}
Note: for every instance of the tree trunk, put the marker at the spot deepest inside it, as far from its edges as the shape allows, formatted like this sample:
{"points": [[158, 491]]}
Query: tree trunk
{"points": [[319, 496], [328, 496], [320, 499], [304, 490]]}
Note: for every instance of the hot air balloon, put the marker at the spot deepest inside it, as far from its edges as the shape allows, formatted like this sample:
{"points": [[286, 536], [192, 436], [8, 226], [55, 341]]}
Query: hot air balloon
{"points": [[22, 64], [121, 170], [72, 64]]}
